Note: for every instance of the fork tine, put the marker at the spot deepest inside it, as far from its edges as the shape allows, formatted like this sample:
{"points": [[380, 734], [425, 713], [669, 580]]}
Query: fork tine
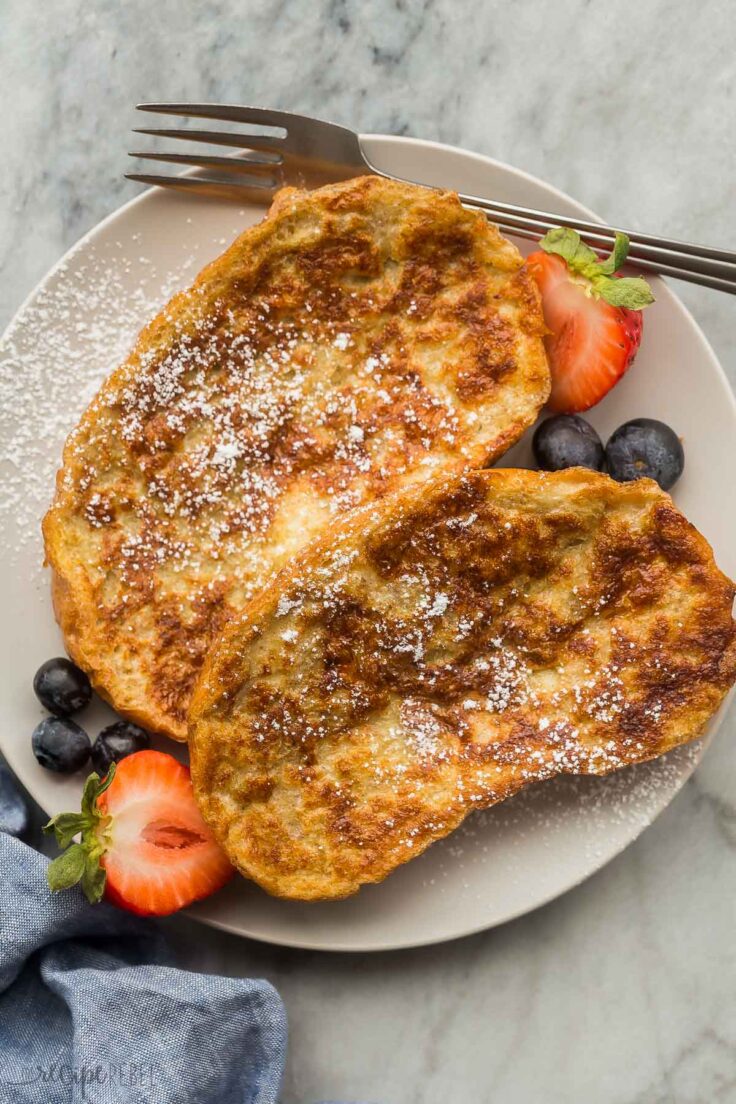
{"points": [[264, 142], [240, 165], [261, 116], [255, 192]]}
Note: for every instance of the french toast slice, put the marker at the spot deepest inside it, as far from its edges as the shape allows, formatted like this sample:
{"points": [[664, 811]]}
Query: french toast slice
{"points": [[443, 649], [362, 337]]}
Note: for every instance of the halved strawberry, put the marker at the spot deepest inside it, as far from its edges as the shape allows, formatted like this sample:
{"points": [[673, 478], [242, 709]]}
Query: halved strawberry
{"points": [[594, 332], [144, 843]]}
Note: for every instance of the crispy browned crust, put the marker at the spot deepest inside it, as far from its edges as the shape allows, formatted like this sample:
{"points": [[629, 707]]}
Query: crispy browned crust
{"points": [[444, 649], [360, 338]]}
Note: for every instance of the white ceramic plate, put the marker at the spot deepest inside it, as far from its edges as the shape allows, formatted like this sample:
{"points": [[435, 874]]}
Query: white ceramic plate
{"points": [[79, 323]]}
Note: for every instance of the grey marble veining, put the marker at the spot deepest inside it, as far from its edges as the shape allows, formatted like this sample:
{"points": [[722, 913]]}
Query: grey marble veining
{"points": [[621, 992]]}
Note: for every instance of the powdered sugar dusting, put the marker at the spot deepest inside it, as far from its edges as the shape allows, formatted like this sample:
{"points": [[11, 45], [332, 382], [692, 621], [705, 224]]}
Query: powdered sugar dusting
{"points": [[496, 846], [76, 331]]}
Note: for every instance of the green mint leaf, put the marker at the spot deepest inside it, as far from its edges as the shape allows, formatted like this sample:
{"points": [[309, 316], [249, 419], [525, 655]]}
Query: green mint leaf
{"points": [[93, 880], [67, 869], [65, 827], [618, 255], [566, 243], [632, 292]]}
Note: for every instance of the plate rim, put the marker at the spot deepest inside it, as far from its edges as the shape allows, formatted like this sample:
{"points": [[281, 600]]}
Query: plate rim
{"points": [[715, 722]]}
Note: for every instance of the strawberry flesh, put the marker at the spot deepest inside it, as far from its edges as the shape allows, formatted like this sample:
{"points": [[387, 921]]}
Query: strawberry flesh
{"points": [[590, 343], [161, 855]]}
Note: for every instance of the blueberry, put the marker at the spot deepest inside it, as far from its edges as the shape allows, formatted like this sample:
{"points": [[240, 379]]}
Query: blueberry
{"points": [[567, 441], [645, 447], [13, 807], [61, 687], [60, 745], [115, 742]]}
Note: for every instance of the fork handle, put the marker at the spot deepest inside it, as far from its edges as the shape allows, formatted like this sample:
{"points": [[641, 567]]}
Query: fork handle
{"points": [[687, 274], [634, 236], [705, 265]]}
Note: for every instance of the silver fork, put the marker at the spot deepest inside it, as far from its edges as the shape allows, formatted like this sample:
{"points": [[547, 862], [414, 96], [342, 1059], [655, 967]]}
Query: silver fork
{"points": [[310, 152]]}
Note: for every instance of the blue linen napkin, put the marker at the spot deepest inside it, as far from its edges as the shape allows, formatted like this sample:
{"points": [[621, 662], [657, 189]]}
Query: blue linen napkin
{"points": [[91, 1010]]}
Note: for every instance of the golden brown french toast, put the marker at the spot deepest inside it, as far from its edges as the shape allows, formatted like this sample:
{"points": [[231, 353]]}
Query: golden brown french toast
{"points": [[444, 648], [362, 337]]}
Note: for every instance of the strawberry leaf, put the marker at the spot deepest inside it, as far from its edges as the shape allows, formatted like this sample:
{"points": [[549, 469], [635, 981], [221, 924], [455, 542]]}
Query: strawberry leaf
{"points": [[81, 861], [66, 871], [566, 243], [92, 790], [89, 795], [617, 256], [93, 880], [65, 827], [107, 779], [631, 292]]}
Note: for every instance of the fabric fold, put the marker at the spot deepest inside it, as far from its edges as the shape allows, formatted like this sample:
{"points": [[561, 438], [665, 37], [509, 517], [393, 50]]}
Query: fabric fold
{"points": [[92, 1009]]}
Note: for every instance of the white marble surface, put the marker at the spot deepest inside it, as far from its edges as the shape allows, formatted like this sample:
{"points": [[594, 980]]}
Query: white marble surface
{"points": [[622, 991]]}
